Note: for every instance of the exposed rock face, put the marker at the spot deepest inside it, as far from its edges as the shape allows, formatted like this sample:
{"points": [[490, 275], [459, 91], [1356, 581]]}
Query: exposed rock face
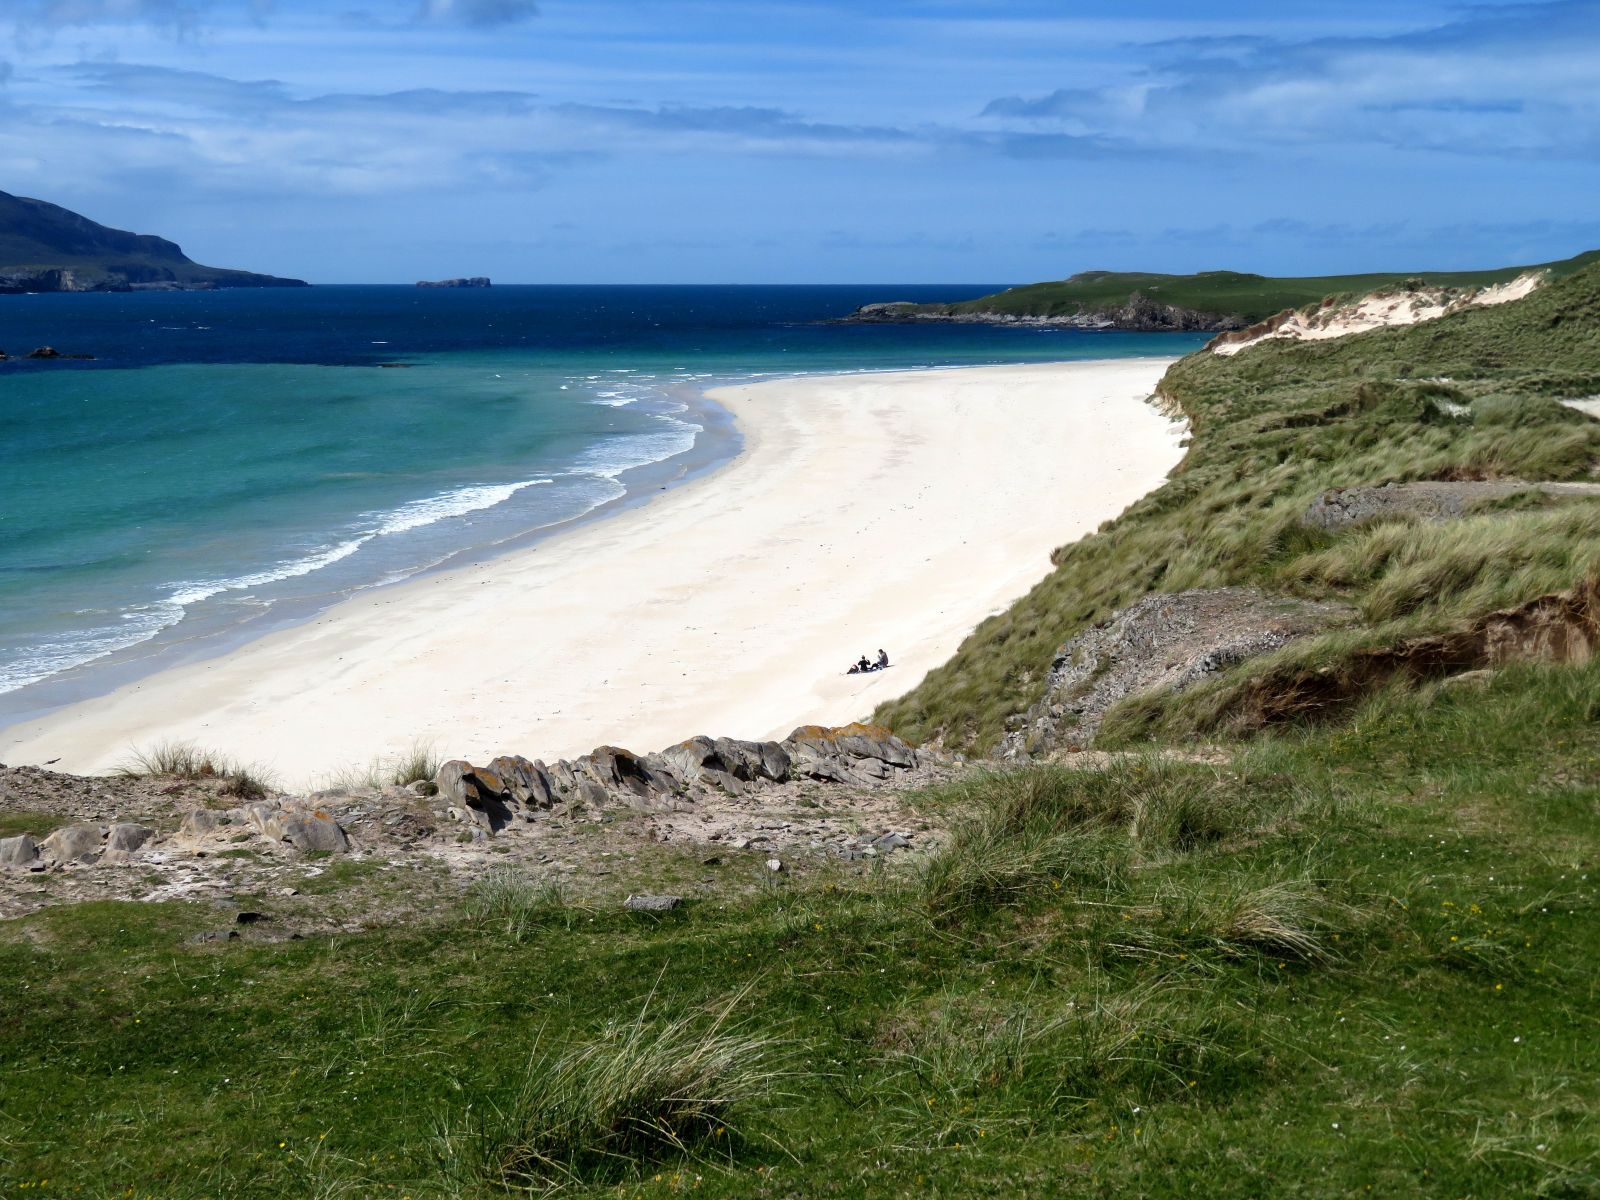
{"points": [[511, 788], [474, 281], [1561, 627], [1427, 501], [1164, 642]]}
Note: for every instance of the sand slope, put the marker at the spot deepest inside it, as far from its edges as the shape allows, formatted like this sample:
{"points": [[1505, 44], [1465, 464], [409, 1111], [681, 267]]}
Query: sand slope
{"points": [[894, 510]]}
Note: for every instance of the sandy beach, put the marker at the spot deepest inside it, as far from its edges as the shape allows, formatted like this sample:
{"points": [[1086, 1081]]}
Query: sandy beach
{"points": [[892, 510]]}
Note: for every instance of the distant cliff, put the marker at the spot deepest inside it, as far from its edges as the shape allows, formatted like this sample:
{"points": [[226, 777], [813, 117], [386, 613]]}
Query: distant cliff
{"points": [[475, 281], [47, 248], [1208, 302]]}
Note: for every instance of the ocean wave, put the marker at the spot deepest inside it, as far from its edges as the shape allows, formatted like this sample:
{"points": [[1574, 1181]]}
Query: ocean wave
{"points": [[456, 503], [44, 659], [414, 514], [639, 449]]}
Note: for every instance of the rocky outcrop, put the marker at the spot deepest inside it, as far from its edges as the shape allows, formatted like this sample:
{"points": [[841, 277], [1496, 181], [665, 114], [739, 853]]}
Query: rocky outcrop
{"points": [[1165, 642], [473, 281], [512, 789], [1425, 501], [1139, 313]]}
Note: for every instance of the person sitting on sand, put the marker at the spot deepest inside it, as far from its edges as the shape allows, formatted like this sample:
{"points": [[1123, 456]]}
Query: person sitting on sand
{"points": [[883, 658], [864, 664]]}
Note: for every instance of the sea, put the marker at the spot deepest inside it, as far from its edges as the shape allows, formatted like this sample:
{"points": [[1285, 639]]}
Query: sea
{"points": [[231, 462]]}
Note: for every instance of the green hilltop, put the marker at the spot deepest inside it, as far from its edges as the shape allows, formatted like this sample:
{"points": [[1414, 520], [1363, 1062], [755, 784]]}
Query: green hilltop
{"points": [[1207, 300]]}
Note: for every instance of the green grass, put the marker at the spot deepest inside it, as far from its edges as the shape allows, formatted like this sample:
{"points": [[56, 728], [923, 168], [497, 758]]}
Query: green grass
{"points": [[1271, 429], [1356, 956], [39, 824], [1224, 293]]}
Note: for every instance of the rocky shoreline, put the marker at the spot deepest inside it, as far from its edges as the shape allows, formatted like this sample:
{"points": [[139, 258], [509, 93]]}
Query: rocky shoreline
{"points": [[1139, 315]]}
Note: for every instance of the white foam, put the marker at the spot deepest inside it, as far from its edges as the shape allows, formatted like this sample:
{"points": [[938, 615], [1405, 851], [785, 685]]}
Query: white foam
{"points": [[456, 503], [639, 449], [143, 622]]}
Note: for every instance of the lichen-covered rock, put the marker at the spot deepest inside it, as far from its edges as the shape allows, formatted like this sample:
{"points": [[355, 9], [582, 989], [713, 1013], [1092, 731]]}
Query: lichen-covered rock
{"points": [[308, 832], [849, 754], [527, 783], [75, 843]]}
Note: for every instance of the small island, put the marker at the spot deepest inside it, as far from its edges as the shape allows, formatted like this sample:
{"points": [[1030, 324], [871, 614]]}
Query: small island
{"points": [[473, 281]]}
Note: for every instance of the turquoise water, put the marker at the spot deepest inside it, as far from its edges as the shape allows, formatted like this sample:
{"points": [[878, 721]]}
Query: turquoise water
{"points": [[234, 459]]}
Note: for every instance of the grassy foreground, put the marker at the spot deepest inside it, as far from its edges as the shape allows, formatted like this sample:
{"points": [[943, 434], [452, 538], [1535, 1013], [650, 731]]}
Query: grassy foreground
{"points": [[1358, 960]]}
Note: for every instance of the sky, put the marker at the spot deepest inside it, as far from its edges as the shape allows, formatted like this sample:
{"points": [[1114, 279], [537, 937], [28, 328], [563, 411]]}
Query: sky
{"points": [[812, 141]]}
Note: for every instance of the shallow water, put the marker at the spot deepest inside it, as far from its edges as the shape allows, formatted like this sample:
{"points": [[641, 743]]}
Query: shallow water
{"points": [[231, 455]]}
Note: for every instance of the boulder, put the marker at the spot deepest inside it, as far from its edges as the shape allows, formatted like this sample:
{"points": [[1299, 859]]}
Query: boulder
{"points": [[198, 823], [849, 754], [727, 763], [623, 773], [307, 832], [652, 903], [75, 843], [126, 838], [18, 851], [528, 783], [477, 792]]}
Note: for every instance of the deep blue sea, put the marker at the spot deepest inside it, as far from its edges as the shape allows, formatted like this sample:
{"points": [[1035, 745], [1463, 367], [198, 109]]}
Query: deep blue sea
{"points": [[230, 460]]}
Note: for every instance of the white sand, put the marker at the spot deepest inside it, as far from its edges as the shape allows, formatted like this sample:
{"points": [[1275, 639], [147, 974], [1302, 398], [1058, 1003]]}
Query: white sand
{"points": [[1388, 307], [893, 510]]}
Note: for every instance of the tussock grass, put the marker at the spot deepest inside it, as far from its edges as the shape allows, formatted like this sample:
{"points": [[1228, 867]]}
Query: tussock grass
{"points": [[1274, 427], [967, 1072], [185, 760], [419, 763], [644, 1090], [517, 902], [1040, 830]]}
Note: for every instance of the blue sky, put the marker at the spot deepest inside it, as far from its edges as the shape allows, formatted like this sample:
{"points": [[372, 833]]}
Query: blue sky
{"points": [[811, 140]]}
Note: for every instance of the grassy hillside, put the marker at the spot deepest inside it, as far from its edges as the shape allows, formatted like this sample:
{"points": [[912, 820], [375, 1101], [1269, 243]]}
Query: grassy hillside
{"points": [[1358, 961], [1223, 293], [1278, 424]]}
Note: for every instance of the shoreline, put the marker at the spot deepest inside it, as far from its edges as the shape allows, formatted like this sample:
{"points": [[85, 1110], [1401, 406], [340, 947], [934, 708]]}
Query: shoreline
{"points": [[729, 604], [716, 445]]}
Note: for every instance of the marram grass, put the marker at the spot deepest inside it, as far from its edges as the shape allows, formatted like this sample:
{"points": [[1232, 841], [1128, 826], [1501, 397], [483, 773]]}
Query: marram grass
{"points": [[1271, 429]]}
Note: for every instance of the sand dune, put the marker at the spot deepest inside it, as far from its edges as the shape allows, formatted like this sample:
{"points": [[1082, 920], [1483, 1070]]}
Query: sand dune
{"points": [[893, 510]]}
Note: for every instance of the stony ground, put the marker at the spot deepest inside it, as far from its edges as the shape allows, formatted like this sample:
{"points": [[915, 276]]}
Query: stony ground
{"points": [[403, 854]]}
